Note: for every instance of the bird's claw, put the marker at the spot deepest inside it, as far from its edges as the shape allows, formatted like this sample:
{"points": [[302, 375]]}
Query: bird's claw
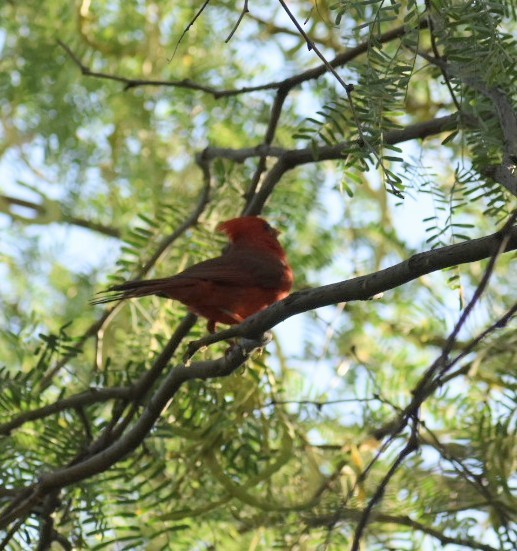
{"points": [[192, 348], [247, 344]]}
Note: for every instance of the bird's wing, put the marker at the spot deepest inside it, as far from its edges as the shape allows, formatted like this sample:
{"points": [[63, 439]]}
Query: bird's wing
{"points": [[237, 268], [240, 268]]}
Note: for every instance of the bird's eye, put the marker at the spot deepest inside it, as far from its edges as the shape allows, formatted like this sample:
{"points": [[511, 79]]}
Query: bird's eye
{"points": [[270, 229]]}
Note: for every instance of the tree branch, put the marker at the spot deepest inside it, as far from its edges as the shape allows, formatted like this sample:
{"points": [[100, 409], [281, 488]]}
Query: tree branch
{"points": [[310, 44], [428, 383], [51, 211], [402, 520], [164, 244], [506, 172], [245, 10], [289, 159], [288, 83], [365, 287], [297, 157], [87, 398], [107, 457], [427, 387]]}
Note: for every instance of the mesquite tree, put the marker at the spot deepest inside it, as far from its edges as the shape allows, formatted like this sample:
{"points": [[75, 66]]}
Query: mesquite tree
{"points": [[374, 406]]}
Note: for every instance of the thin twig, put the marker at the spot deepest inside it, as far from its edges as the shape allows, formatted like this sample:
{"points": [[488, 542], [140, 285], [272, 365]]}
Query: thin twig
{"points": [[244, 11], [319, 404], [310, 44], [348, 90], [135, 82], [409, 448], [41, 216], [186, 30], [445, 75]]}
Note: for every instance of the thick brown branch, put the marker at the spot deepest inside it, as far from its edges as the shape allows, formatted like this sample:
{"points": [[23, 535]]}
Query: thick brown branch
{"points": [[365, 287], [289, 159], [107, 457], [297, 157]]}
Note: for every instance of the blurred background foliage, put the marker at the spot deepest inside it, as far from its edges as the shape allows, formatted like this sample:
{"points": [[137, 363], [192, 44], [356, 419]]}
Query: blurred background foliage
{"points": [[99, 167]]}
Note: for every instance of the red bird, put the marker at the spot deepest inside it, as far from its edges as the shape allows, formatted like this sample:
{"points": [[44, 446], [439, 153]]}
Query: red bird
{"points": [[249, 276]]}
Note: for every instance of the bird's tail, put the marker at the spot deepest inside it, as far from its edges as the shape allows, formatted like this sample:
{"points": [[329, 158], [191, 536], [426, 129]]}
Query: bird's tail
{"points": [[133, 289]]}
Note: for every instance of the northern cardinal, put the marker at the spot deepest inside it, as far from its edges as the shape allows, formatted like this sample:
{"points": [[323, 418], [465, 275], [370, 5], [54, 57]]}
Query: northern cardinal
{"points": [[249, 276]]}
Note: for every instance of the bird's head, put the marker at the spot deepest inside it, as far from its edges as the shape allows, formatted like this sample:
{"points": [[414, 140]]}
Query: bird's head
{"points": [[252, 231]]}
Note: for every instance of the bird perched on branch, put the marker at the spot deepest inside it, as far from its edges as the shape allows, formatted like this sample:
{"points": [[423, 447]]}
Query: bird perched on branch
{"points": [[250, 275]]}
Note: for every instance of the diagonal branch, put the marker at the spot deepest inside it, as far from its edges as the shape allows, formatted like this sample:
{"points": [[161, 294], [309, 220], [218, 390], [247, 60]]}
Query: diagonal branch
{"points": [[430, 381], [31, 495], [187, 28], [310, 44], [164, 244], [410, 447], [102, 457], [365, 287], [245, 10]]}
